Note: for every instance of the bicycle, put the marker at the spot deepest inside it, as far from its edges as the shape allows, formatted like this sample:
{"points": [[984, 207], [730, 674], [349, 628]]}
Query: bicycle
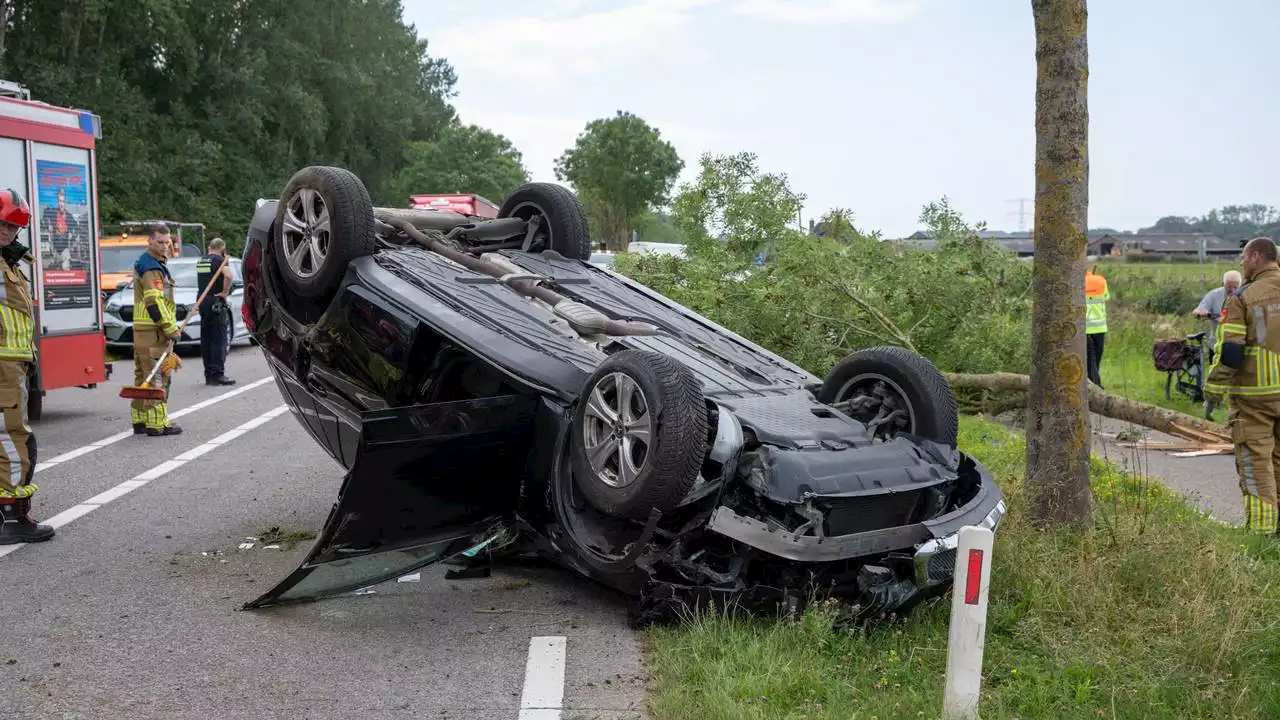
{"points": [[1184, 361]]}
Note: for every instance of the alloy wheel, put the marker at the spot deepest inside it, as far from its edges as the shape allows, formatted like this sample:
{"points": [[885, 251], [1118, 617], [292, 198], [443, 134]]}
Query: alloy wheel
{"points": [[618, 429], [305, 232]]}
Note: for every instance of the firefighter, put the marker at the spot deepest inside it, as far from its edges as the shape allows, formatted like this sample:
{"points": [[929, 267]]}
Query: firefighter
{"points": [[1247, 368], [1096, 295], [17, 356], [154, 326]]}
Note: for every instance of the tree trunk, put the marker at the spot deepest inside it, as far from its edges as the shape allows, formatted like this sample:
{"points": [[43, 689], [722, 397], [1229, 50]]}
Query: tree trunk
{"points": [[1170, 422], [1057, 419]]}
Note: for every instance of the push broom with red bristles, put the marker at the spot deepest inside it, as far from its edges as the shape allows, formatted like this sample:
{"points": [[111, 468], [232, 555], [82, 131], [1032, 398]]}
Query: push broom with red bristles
{"points": [[167, 363]]}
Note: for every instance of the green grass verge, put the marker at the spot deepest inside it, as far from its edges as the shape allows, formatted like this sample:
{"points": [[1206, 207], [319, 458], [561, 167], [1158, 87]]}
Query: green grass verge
{"points": [[1154, 611]]}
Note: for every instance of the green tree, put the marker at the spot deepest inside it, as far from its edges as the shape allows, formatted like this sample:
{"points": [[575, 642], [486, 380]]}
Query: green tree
{"points": [[207, 106], [463, 159], [657, 226], [620, 167], [1058, 437], [752, 211]]}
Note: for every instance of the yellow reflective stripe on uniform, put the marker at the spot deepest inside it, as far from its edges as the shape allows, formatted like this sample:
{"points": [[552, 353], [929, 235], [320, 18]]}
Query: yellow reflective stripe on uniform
{"points": [[1266, 375], [20, 492], [19, 335], [167, 320], [1095, 314], [1234, 329], [1260, 515]]}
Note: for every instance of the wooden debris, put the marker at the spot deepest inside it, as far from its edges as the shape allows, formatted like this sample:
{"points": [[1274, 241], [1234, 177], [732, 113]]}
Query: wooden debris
{"points": [[1201, 435]]}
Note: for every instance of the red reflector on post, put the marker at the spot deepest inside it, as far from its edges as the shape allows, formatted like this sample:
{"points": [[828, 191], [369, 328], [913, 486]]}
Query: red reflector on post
{"points": [[973, 579]]}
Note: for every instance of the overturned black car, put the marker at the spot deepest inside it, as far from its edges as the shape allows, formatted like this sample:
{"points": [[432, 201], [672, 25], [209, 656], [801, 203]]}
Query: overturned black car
{"points": [[486, 387]]}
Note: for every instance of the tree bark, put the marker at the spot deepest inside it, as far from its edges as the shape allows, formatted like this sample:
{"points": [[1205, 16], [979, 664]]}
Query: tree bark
{"points": [[1170, 422], [1057, 476]]}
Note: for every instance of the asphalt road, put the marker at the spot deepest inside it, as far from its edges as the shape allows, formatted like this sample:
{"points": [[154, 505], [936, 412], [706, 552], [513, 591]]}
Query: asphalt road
{"points": [[1208, 481], [132, 611]]}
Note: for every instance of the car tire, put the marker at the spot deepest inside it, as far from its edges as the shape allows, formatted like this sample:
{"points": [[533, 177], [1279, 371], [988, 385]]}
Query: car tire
{"points": [[230, 331], [660, 472], [911, 382], [316, 273], [561, 212]]}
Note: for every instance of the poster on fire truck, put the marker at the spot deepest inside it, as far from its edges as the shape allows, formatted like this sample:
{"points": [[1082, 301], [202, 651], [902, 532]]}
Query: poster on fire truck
{"points": [[66, 245]]}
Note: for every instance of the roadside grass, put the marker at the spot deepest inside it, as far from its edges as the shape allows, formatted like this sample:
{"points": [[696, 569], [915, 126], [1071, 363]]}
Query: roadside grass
{"points": [[1153, 611], [1162, 287]]}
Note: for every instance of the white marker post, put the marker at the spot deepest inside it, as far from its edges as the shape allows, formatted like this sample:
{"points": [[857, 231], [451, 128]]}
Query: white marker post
{"points": [[968, 623]]}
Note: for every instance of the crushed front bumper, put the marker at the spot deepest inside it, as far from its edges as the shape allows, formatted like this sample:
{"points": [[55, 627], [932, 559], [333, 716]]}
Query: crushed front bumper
{"points": [[931, 543]]}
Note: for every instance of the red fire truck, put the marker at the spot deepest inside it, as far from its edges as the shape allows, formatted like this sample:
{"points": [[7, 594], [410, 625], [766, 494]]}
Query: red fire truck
{"points": [[467, 204], [49, 154]]}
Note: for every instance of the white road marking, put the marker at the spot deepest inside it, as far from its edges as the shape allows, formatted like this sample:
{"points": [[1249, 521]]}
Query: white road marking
{"points": [[164, 468], [543, 679], [80, 451]]}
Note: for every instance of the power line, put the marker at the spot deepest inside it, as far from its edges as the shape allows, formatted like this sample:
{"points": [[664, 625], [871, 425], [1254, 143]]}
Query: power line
{"points": [[1021, 212]]}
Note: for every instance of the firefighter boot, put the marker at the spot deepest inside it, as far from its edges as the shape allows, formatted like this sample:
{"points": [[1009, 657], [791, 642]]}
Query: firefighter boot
{"points": [[16, 525]]}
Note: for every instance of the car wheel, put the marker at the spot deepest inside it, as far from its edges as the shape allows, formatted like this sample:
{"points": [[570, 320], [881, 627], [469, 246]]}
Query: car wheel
{"points": [[324, 221], [639, 434], [229, 329], [893, 390], [564, 223]]}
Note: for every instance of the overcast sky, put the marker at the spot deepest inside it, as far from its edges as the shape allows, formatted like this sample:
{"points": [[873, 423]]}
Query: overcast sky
{"points": [[884, 105]]}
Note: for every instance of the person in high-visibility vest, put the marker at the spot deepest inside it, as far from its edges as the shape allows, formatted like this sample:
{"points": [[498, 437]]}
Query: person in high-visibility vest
{"points": [[1247, 369], [17, 355], [1096, 295], [154, 327]]}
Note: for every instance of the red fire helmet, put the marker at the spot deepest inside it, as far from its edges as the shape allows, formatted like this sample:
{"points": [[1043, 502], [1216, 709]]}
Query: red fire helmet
{"points": [[14, 208]]}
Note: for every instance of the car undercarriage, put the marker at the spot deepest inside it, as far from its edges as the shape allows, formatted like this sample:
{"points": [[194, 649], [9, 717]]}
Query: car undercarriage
{"points": [[490, 393]]}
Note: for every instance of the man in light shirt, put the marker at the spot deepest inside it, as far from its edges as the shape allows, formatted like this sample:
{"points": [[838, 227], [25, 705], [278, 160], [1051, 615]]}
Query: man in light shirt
{"points": [[1211, 304]]}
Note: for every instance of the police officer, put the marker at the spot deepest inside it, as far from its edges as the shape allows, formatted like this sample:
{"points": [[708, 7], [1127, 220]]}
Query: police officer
{"points": [[214, 313], [1247, 368], [154, 326], [17, 355], [1096, 295]]}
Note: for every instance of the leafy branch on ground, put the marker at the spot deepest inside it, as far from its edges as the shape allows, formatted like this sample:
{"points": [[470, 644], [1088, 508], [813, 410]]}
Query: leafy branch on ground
{"points": [[965, 306]]}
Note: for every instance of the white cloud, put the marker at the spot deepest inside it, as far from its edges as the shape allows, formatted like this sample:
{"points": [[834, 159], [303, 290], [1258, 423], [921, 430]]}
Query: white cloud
{"points": [[645, 33], [830, 12], [563, 39]]}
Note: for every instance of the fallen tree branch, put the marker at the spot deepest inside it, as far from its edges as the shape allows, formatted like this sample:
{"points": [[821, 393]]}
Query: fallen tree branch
{"points": [[881, 318], [1170, 422]]}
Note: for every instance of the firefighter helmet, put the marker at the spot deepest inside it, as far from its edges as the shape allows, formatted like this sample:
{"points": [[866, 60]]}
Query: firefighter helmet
{"points": [[14, 208]]}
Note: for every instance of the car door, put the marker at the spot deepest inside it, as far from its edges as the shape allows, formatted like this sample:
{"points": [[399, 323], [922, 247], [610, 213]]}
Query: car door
{"points": [[428, 482], [236, 301]]}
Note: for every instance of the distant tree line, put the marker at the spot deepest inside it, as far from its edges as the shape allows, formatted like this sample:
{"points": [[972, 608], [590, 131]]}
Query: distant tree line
{"points": [[1231, 222]]}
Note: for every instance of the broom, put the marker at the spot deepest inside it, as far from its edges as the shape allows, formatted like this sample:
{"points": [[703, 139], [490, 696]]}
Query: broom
{"points": [[167, 363]]}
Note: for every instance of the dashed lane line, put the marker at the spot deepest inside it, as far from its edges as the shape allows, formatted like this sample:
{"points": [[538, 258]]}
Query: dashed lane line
{"points": [[91, 447], [78, 511], [543, 695]]}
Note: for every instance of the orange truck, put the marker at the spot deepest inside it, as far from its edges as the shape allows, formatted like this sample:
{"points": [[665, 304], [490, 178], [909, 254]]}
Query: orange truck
{"points": [[118, 252]]}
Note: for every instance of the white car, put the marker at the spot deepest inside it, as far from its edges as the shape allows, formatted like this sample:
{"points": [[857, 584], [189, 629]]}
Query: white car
{"points": [[118, 313]]}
